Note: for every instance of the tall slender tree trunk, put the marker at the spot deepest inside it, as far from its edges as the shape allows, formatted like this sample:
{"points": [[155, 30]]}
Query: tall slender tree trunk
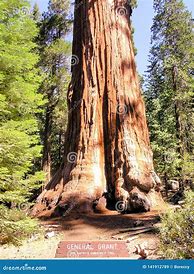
{"points": [[178, 120], [46, 159], [107, 146]]}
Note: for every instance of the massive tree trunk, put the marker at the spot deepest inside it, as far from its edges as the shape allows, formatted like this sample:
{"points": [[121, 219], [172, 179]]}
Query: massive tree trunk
{"points": [[107, 145]]}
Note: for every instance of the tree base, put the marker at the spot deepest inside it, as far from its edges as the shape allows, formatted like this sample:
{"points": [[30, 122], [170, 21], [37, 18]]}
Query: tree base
{"points": [[53, 204]]}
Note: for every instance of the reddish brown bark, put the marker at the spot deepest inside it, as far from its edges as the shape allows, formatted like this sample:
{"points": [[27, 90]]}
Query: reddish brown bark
{"points": [[107, 130]]}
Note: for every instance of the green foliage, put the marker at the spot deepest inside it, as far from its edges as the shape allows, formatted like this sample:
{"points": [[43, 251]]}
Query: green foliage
{"points": [[177, 231], [36, 13], [133, 43], [170, 86], [15, 226], [20, 103], [133, 3], [55, 54]]}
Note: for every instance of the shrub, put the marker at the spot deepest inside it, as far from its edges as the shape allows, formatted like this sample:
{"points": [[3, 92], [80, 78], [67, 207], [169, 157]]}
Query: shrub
{"points": [[177, 231], [15, 226]]}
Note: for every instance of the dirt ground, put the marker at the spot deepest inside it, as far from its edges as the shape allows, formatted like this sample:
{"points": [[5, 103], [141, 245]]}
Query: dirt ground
{"points": [[91, 227]]}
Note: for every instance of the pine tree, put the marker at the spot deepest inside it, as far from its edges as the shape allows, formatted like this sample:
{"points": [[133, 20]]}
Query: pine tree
{"points": [[55, 59], [19, 102], [36, 13], [170, 87], [19, 134]]}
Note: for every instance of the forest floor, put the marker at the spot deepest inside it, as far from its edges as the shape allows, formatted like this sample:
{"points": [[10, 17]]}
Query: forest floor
{"points": [[98, 227]]}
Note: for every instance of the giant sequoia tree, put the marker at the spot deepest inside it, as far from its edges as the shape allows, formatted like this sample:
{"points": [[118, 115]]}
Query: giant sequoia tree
{"points": [[107, 145]]}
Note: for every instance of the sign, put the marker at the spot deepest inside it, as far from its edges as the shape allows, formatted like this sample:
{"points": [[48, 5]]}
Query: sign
{"points": [[92, 249]]}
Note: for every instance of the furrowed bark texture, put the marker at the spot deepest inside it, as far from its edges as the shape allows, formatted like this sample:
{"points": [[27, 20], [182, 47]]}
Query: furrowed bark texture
{"points": [[107, 142]]}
